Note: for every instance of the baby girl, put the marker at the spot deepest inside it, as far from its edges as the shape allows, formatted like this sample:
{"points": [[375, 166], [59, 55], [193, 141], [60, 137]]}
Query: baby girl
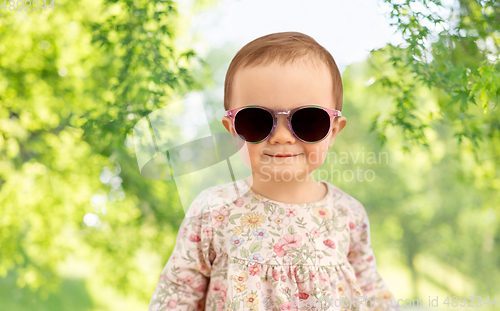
{"points": [[288, 242]]}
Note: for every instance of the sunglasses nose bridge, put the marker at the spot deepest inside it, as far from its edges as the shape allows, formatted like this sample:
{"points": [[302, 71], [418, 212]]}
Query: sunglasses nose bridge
{"points": [[281, 111], [286, 124], [286, 112]]}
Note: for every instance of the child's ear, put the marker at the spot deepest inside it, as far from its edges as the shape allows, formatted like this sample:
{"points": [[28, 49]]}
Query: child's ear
{"points": [[228, 124], [339, 123], [337, 126]]}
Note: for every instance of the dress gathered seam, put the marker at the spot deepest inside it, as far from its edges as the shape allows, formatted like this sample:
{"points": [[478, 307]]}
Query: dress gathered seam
{"points": [[234, 259]]}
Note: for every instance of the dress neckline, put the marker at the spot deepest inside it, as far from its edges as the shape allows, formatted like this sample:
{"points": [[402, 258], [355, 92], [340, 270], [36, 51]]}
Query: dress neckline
{"points": [[249, 190]]}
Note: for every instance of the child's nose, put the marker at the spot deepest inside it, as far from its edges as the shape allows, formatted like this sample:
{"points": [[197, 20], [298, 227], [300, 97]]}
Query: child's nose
{"points": [[282, 134]]}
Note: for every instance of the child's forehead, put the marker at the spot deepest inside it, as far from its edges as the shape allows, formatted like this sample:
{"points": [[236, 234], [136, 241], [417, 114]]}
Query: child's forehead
{"points": [[287, 86]]}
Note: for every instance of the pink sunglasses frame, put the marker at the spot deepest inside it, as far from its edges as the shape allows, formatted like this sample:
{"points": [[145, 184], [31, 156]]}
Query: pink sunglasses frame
{"points": [[275, 112]]}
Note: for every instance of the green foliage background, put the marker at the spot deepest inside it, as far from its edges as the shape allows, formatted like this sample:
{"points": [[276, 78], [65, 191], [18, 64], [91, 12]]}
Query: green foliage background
{"points": [[75, 80]]}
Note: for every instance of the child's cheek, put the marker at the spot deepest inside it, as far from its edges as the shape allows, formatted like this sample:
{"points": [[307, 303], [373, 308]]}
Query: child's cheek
{"points": [[317, 153], [248, 155]]}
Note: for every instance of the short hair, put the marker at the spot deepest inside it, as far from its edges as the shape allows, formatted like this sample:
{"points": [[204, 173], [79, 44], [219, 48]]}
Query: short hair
{"points": [[285, 48]]}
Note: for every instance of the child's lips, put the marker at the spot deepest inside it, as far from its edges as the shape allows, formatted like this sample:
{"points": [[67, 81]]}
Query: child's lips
{"points": [[287, 155]]}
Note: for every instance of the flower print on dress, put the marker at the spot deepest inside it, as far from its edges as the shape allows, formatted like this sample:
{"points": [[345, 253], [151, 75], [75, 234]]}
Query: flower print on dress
{"points": [[329, 243], [352, 226], [290, 212], [280, 220], [240, 288], [219, 217], [315, 232], [236, 241], [242, 278], [322, 212], [194, 238], [172, 304], [255, 269], [252, 220], [288, 307], [288, 242], [291, 241], [208, 232], [341, 289], [255, 257], [260, 234], [302, 296], [278, 249], [276, 274], [239, 202], [252, 301], [363, 226]]}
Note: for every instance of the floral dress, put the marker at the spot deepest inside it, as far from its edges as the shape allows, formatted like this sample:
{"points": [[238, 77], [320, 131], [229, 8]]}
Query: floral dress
{"points": [[252, 253]]}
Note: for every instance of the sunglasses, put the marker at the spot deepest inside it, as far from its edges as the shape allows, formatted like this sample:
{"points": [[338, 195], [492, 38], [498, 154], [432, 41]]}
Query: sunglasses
{"points": [[309, 124]]}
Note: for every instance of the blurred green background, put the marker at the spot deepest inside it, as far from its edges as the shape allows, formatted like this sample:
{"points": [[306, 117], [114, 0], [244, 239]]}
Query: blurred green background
{"points": [[74, 81]]}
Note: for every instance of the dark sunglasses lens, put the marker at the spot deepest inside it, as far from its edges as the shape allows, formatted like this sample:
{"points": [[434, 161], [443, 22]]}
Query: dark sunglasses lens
{"points": [[311, 124], [253, 124]]}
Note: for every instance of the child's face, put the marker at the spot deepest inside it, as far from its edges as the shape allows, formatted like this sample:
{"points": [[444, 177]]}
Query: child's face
{"points": [[286, 87]]}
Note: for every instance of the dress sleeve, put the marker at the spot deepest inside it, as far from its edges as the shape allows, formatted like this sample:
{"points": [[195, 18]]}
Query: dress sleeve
{"points": [[183, 282], [363, 261]]}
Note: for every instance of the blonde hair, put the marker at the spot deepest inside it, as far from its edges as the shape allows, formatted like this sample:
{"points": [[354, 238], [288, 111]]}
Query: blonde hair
{"points": [[285, 48]]}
